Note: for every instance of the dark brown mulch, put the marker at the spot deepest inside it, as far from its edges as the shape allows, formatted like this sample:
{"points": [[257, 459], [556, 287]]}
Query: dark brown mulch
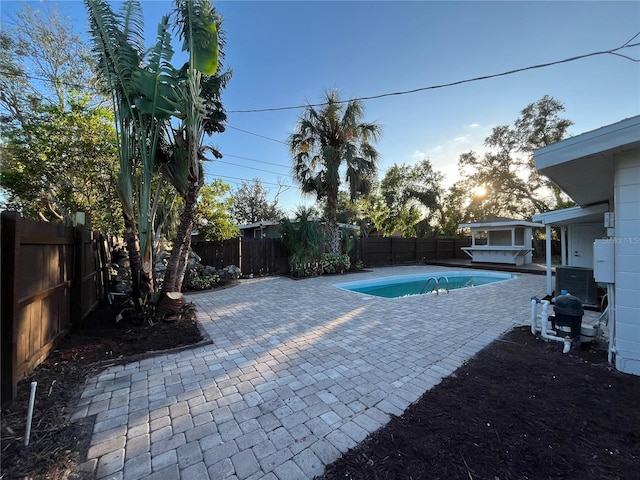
{"points": [[55, 441], [519, 410]]}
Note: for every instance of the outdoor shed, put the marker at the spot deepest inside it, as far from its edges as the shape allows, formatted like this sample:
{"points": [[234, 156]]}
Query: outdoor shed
{"points": [[507, 241], [600, 171]]}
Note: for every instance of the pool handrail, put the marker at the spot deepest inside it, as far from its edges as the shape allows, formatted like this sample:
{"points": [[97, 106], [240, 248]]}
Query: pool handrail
{"points": [[445, 278], [436, 285]]}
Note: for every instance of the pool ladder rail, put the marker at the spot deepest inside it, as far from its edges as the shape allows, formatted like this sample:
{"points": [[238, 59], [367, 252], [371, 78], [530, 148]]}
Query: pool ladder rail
{"points": [[436, 285]]}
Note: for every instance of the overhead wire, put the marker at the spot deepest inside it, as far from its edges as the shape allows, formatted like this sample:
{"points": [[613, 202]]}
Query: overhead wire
{"points": [[613, 51], [254, 160], [240, 179], [252, 168], [256, 134]]}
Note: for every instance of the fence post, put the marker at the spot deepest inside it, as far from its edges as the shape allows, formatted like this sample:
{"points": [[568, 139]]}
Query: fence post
{"points": [[10, 252], [76, 280]]}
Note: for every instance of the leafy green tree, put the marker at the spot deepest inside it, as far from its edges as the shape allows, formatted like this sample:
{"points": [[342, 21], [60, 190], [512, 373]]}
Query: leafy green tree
{"points": [[504, 181], [250, 204], [211, 219], [63, 161], [347, 210], [58, 147], [43, 63], [412, 195], [332, 144]]}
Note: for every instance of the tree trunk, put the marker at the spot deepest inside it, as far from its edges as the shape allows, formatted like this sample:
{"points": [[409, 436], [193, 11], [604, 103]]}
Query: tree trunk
{"points": [[181, 243], [184, 262], [332, 233], [332, 230], [135, 264]]}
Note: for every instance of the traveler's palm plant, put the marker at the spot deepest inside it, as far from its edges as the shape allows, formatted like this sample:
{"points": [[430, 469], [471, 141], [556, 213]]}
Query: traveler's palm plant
{"points": [[197, 23], [147, 94], [143, 101]]}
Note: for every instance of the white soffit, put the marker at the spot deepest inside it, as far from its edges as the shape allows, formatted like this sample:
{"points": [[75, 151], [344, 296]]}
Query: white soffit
{"points": [[594, 213]]}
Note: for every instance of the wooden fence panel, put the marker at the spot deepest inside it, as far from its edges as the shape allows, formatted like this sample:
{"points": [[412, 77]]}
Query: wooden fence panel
{"points": [[218, 254], [92, 258], [37, 270], [46, 268], [376, 251], [403, 250], [426, 249], [252, 255]]}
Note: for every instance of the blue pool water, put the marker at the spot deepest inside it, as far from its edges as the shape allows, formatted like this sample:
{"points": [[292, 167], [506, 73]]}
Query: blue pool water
{"points": [[405, 285]]}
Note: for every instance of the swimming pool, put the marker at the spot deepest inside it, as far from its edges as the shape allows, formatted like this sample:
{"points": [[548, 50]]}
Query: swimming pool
{"points": [[416, 284]]}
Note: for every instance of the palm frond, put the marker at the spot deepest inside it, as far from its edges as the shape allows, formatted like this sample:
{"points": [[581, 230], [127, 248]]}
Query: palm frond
{"points": [[157, 82], [197, 23]]}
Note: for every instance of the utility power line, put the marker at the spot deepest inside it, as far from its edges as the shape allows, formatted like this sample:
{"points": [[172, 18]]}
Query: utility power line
{"points": [[252, 168], [257, 134], [613, 51], [254, 160]]}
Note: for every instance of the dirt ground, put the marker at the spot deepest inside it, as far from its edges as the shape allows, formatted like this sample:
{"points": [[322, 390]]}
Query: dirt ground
{"points": [[520, 409]]}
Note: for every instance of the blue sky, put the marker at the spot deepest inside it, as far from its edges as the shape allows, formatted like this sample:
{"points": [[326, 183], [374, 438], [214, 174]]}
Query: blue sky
{"points": [[286, 53]]}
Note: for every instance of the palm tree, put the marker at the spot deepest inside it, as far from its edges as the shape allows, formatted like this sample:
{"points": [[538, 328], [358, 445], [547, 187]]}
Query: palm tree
{"points": [[143, 102], [303, 238], [329, 143], [147, 96], [201, 113]]}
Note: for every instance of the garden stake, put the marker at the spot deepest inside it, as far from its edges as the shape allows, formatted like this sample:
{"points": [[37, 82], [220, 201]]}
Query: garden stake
{"points": [[32, 399]]}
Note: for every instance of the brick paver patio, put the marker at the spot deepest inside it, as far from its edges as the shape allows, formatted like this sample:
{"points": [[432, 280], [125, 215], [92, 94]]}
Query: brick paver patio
{"points": [[299, 372]]}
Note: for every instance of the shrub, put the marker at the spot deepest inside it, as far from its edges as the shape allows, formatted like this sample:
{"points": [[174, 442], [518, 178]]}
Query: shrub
{"points": [[335, 263], [198, 281]]}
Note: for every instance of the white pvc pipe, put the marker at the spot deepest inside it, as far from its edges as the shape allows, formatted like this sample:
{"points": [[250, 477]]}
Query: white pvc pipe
{"points": [[32, 399], [546, 334], [534, 312], [612, 321]]}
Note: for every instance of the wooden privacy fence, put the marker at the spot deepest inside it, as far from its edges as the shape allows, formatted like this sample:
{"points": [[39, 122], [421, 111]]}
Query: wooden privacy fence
{"points": [[52, 277], [378, 251], [258, 256], [267, 255]]}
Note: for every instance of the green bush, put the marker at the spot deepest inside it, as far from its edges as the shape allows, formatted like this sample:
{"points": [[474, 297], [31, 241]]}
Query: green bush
{"points": [[335, 263], [197, 281]]}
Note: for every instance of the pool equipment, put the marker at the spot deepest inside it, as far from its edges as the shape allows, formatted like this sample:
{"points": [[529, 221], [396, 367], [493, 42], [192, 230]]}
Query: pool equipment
{"points": [[568, 315], [544, 318]]}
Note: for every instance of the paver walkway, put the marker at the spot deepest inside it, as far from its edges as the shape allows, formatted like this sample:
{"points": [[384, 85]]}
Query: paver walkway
{"points": [[298, 373]]}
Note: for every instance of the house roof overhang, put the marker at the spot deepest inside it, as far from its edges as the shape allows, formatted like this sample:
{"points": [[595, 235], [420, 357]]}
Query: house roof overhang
{"points": [[500, 224], [262, 224], [582, 166], [566, 216]]}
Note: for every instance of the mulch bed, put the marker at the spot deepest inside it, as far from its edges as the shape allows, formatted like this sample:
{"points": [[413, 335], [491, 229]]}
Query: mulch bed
{"points": [[55, 442], [519, 410]]}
